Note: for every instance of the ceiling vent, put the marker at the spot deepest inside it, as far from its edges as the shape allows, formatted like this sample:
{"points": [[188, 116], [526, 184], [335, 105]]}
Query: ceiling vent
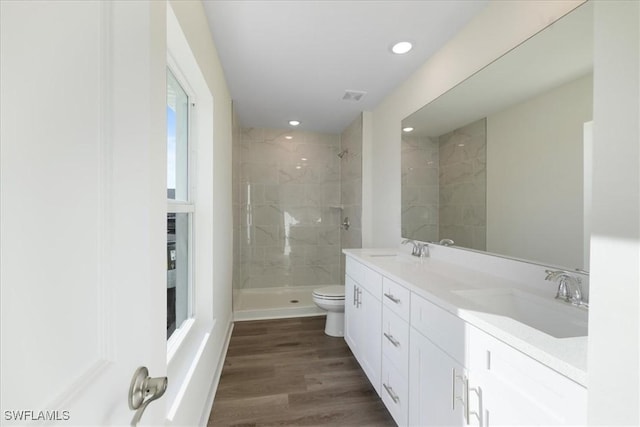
{"points": [[353, 95]]}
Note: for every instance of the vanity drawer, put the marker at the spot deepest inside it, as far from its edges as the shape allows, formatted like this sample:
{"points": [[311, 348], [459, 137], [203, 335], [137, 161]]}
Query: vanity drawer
{"points": [[395, 340], [395, 392], [365, 277], [355, 270], [396, 297], [443, 328]]}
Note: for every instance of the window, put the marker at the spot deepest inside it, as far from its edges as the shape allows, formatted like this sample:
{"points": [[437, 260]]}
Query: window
{"points": [[180, 208]]}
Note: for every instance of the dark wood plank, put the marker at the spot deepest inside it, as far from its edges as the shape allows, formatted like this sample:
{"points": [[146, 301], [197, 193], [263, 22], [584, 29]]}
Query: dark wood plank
{"points": [[287, 372]]}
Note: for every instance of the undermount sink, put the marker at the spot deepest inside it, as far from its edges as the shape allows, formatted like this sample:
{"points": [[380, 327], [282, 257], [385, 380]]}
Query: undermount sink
{"points": [[553, 317], [392, 257]]}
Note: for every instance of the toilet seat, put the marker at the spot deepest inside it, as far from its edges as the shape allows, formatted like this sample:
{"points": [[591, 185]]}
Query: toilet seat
{"points": [[333, 292]]}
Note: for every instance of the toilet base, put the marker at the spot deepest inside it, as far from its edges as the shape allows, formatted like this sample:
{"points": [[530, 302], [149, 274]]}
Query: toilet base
{"points": [[334, 326]]}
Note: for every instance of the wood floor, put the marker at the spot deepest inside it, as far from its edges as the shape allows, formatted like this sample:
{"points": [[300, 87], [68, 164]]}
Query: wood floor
{"points": [[288, 372]]}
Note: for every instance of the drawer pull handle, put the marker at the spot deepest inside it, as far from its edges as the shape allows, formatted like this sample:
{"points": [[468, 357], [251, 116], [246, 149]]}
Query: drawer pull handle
{"points": [[391, 393], [392, 298], [392, 340]]}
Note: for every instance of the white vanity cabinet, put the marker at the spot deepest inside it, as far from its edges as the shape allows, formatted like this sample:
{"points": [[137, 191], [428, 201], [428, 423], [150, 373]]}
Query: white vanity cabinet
{"points": [[363, 318], [462, 376], [434, 367]]}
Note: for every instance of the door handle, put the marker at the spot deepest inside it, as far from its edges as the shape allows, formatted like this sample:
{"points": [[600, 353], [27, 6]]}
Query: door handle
{"points": [[144, 390]]}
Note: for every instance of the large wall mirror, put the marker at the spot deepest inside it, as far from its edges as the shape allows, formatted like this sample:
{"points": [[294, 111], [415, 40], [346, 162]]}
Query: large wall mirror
{"points": [[501, 163]]}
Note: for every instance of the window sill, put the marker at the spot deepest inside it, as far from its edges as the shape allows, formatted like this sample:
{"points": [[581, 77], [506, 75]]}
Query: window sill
{"points": [[177, 338]]}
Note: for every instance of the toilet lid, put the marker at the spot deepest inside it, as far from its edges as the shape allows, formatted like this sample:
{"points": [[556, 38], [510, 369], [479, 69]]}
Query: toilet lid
{"points": [[330, 292]]}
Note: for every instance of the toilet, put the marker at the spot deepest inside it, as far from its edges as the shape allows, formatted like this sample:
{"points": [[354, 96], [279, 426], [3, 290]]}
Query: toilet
{"points": [[331, 299]]}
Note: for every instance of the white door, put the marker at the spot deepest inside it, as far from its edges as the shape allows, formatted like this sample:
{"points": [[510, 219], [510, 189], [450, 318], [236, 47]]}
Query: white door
{"points": [[82, 218]]}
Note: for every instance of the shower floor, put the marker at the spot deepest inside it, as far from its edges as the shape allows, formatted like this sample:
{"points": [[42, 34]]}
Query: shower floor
{"points": [[275, 303]]}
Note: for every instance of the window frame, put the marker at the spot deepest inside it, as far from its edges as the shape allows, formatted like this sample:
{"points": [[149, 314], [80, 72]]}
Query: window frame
{"points": [[187, 207]]}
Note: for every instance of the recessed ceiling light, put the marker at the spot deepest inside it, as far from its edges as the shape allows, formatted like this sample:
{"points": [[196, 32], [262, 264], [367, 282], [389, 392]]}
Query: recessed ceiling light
{"points": [[288, 137], [304, 159], [294, 122], [401, 48], [407, 129]]}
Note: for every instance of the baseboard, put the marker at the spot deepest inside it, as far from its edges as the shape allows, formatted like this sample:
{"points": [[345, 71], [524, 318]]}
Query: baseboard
{"points": [[277, 313], [204, 418]]}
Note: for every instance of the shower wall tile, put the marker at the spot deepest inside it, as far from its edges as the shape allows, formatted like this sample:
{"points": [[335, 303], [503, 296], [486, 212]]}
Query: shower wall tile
{"points": [[420, 187], [351, 189], [286, 221], [463, 162]]}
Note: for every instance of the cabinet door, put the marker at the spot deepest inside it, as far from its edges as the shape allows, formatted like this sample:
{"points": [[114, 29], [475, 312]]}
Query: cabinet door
{"points": [[351, 315], [436, 385], [517, 390], [370, 337]]}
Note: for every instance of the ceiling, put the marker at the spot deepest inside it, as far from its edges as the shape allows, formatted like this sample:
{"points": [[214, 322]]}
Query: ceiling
{"points": [[295, 59]]}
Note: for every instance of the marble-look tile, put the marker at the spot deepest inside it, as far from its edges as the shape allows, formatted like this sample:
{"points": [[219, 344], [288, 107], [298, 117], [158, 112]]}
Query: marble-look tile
{"points": [[410, 195], [283, 214], [322, 255], [316, 275], [287, 256], [331, 194], [351, 192], [429, 194], [464, 193], [417, 214], [479, 238], [421, 232], [298, 174], [255, 173], [451, 215], [271, 276], [265, 235], [313, 195], [474, 215], [252, 134], [322, 138], [456, 173], [420, 176], [284, 194], [351, 239], [299, 235], [265, 215]]}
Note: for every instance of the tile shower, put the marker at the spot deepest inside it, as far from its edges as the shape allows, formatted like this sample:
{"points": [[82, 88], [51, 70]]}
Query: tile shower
{"points": [[287, 215], [444, 186]]}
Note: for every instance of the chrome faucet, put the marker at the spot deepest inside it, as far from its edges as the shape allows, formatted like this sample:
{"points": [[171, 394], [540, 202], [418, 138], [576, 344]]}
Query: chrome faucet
{"points": [[419, 249], [569, 288], [446, 242]]}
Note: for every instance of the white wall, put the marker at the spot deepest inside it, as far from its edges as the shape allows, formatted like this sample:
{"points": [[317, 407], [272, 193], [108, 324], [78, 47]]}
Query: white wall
{"points": [[533, 215], [196, 395], [498, 28], [614, 322]]}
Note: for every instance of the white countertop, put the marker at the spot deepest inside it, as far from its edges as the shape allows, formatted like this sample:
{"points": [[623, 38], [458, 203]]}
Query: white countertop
{"points": [[435, 280]]}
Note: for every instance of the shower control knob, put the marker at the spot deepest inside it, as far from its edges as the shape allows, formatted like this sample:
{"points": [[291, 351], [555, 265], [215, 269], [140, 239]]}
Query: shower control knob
{"points": [[345, 223]]}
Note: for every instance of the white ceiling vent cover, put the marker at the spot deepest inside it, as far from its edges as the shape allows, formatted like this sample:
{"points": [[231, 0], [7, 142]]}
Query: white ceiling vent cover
{"points": [[353, 95]]}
